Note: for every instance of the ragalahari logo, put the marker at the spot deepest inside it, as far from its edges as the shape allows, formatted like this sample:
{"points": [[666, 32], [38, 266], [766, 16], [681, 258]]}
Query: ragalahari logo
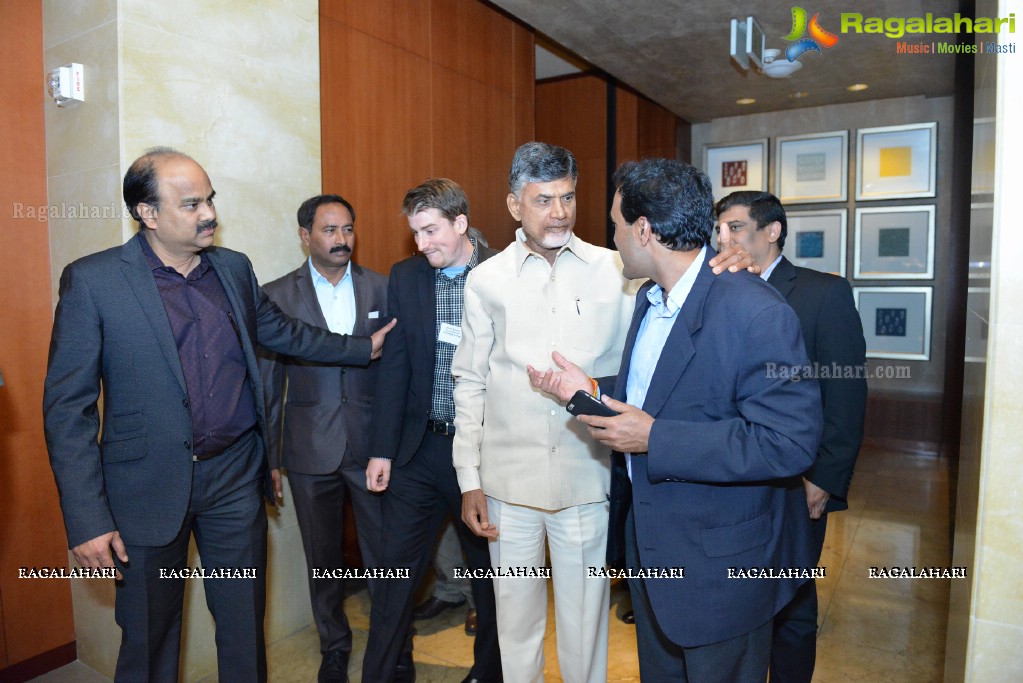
{"points": [[819, 37]]}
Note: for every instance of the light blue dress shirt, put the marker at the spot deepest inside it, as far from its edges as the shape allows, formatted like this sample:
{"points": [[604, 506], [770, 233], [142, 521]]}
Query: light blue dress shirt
{"points": [[337, 303], [653, 334], [770, 269]]}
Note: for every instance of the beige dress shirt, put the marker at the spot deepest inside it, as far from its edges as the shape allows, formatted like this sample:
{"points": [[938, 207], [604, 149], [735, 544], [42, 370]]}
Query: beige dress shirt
{"points": [[516, 443]]}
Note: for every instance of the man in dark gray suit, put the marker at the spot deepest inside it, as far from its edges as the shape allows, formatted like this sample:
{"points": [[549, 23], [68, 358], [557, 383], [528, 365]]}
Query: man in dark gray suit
{"points": [[319, 430], [833, 335], [166, 325]]}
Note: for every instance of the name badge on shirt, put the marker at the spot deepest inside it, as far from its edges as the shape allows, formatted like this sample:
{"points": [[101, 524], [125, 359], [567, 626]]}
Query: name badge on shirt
{"points": [[450, 334], [373, 315]]}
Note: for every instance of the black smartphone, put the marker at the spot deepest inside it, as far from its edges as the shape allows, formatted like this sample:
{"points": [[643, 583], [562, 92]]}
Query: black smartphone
{"points": [[583, 403]]}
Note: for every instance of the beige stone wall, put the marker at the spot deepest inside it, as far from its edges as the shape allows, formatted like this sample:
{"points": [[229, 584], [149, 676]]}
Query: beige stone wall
{"points": [[238, 89]]}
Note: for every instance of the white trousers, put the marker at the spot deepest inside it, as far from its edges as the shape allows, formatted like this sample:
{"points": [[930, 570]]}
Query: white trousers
{"points": [[578, 539]]}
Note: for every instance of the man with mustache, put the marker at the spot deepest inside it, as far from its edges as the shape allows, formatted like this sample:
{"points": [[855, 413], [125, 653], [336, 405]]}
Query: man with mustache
{"points": [[318, 416], [167, 325]]}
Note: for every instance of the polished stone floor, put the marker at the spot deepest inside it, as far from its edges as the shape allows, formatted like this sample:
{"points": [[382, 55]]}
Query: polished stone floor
{"points": [[871, 630]]}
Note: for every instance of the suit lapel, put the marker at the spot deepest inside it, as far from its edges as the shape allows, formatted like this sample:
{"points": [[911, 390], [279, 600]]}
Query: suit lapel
{"points": [[307, 295], [140, 278], [679, 345], [783, 277], [642, 304], [427, 293], [361, 300], [237, 310]]}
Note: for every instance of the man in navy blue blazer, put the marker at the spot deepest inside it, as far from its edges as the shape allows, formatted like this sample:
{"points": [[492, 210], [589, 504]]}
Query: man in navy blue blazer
{"points": [[711, 444]]}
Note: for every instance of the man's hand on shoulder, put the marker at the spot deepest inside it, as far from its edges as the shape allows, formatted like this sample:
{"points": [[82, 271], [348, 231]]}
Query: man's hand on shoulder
{"points": [[474, 514], [378, 338], [95, 553], [378, 474], [731, 256]]}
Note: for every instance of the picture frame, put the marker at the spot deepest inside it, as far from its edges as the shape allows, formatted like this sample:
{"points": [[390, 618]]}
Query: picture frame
{"points": [[896, 162], [812, 168], [896, 321], [894, 243], [982, 217], [817, 239], [978, 308], [736, 166]]}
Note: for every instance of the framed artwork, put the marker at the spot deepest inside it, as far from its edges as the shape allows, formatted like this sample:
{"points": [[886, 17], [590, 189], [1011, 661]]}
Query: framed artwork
{"points": [[817, 239], [894, 243], [983, 174], [978, 306], [896, 162], [982, 217], [896, 321], [812, 168], [736, 166]]}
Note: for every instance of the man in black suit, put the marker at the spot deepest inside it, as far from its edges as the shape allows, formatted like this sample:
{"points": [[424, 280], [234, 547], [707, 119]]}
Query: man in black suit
{"points": [[833, 335], [412, 431], [319, 431], [167, 325]]}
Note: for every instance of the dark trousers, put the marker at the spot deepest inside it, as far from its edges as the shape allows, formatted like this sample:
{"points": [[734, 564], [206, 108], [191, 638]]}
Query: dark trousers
{"points": [[227, 516], [743, 659], [319, 506], [794, 644], [418, 498]]}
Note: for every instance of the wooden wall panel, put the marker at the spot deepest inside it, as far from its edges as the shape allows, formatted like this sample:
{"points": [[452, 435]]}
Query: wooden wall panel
{"points": [[626, 126], [572, 112], [412, 90], [377, 137], [37, 615], [655, 130]]}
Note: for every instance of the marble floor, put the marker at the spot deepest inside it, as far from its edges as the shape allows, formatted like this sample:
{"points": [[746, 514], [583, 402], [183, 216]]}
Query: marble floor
{"points": [[871, 630]]}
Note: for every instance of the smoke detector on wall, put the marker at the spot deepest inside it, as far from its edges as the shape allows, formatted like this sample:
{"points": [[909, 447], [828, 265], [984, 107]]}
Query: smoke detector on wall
{"points": [[779, 68]]}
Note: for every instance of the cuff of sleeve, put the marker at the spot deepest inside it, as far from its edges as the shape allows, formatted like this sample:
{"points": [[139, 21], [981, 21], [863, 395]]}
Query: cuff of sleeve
{"points": [[468, 479]]}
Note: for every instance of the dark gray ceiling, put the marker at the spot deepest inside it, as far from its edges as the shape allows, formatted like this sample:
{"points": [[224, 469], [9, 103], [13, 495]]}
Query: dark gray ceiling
{"points": [[676, 52]]}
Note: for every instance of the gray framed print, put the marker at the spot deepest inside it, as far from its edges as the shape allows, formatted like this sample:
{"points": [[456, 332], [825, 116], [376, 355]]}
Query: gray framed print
{"points": [[736, 166], [978, 307], [896, 162], [894, 243], [812, 168], [896, 321], [982, 217], [817, 239]]}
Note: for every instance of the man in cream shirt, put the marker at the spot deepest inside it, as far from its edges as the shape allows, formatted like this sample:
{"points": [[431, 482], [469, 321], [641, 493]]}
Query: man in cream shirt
{"points": [[534, 472]]}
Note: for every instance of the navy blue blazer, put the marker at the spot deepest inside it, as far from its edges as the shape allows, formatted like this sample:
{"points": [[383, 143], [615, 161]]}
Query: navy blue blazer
{"points": [[110, 329], [405, 373], [720, 485]]}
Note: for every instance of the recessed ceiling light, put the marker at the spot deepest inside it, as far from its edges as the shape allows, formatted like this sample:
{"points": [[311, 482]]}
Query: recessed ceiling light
{"points": [[745, 100], [799, 95], [856, 87]]}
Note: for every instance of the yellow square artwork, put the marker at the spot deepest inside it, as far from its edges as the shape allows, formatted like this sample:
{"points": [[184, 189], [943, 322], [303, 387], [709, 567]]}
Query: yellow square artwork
{"points": [[896, 161]]}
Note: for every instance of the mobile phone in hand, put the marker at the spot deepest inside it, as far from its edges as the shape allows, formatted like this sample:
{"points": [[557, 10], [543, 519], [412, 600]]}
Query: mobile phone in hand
{"points": [[583, 403]]}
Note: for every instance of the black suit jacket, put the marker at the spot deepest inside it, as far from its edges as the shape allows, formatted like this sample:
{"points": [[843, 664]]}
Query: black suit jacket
{"points": [[110, 330], [325, 407], [405, 379], [833, 335]]}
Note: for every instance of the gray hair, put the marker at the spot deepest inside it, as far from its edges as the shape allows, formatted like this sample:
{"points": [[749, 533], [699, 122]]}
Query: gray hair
{"points": [[539, 162]]}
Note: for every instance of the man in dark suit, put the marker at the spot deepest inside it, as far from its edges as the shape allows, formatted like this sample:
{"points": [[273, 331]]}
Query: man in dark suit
{"points": [[167, 325], [713, 445], [834, 341], [320, 431], [412, 431]]}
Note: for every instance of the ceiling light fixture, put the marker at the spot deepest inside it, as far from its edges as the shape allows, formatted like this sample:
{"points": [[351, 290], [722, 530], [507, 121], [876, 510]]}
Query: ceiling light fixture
{"points": [[779, 68], [799, 95], [856, 87], [745, 100]]}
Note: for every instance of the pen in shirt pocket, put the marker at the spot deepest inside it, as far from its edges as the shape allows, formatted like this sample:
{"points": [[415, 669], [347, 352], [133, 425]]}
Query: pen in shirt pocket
{"points": [[577, 311]]}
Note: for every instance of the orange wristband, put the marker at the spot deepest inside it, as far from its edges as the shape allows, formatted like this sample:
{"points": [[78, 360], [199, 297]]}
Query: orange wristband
{"points": [[595, 387]]}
